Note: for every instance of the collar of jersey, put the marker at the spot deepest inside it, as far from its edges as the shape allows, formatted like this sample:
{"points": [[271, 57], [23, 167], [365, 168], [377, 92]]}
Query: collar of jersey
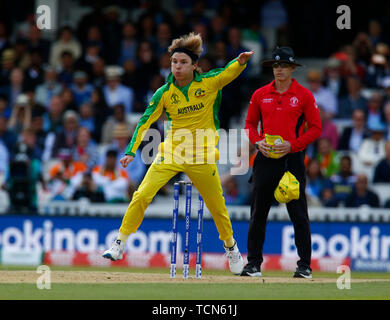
{"points": [[292, 88], [184, 90]]}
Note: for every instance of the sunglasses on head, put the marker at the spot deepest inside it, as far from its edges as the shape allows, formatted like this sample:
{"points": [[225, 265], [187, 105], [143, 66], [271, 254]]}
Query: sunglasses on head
{"points": [[281, 64]]}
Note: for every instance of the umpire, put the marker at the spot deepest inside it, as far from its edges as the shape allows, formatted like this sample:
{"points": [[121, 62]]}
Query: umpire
{"points": [[285, 109]]}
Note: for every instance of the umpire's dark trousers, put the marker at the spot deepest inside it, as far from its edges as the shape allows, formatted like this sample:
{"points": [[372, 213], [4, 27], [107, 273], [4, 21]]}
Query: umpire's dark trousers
{"points": [[267, 173]]}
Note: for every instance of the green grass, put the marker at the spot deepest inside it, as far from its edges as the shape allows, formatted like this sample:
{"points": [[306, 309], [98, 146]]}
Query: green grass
{"points": [[199, 291], [181, 291]]}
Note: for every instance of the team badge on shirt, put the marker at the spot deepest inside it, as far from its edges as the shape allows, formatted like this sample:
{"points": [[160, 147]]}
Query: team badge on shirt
{"points": [[294, 101], [175, 98], [199, 93]]}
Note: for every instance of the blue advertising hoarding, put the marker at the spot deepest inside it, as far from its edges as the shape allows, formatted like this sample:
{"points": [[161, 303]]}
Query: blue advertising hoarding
{"points": [[358, 241]]}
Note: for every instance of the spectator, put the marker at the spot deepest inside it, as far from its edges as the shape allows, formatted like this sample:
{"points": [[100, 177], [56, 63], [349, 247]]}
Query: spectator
{"points": [[364, 48], [112, 178], [68, 99], [111, 34], [94, 37], [274, 19], [7, 136], [382, 169], [35, 42], [115, 92], [361, 195], [163, 38], [15, 87], [49, 88], [353, 100], [130, 77], [342, 183], [327, 157], [66, 41], [89, 190], [179, 23], [89, 57], [66, 139], [232, 194], [81, 89], [7, 64], [147, 66], [376, 71], [352, 137], [34, 74], [21, 114], [324, 97], [118, 116], [165, 65], [375, 108], [97, 75], [22, 56], [329, 129], [65, 75], [350, 66], [4, 41], [5, 109], [24, 175], [234, 45], [4, 163], [37, 125], [128, 49], [89, 120], [156, 82], [372, 149], [239, 191], [386, 111], [221, 55], [136, 169], [53, 119], [386, 88], [201, 28], [64, 176], [101, 110], [197, 15], [28, 138], [85, 150], [206, 63], [218, 29], [53, 124], [374, 32], [333, 80], [317, 184]]}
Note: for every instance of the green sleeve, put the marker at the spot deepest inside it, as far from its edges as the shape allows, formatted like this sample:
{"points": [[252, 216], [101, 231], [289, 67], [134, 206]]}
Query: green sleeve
{"points": [[151, 114]]}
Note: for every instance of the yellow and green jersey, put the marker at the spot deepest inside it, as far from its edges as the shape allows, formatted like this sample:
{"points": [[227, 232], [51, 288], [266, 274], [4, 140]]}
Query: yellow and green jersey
{"points": [[192, 114]]}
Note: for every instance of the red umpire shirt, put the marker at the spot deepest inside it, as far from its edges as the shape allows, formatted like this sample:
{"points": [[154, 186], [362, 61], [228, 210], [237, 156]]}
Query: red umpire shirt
{"points": [[285, 114]]}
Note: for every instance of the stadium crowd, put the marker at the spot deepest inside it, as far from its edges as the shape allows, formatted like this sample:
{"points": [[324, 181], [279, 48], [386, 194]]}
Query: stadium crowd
{"points": [[69, 107]]}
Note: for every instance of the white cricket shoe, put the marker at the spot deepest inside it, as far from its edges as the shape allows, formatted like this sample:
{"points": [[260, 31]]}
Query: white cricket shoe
{"points": [[116, 251], [236, 262]]}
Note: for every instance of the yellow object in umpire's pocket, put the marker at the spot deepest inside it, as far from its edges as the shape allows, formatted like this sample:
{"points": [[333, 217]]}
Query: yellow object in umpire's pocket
{"points": [[288, 188], [273, 140]]}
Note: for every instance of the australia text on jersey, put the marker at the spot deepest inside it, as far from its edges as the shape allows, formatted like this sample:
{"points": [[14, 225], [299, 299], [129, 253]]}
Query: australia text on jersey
{"points": [[192, 108]]}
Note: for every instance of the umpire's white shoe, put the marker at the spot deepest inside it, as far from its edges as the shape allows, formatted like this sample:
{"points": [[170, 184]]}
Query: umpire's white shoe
{"points": [[116, 251], [236, 262]]}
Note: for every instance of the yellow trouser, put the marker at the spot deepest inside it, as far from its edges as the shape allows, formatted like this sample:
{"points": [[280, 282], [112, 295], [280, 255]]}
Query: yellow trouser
{"points": [[205, 179]]}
